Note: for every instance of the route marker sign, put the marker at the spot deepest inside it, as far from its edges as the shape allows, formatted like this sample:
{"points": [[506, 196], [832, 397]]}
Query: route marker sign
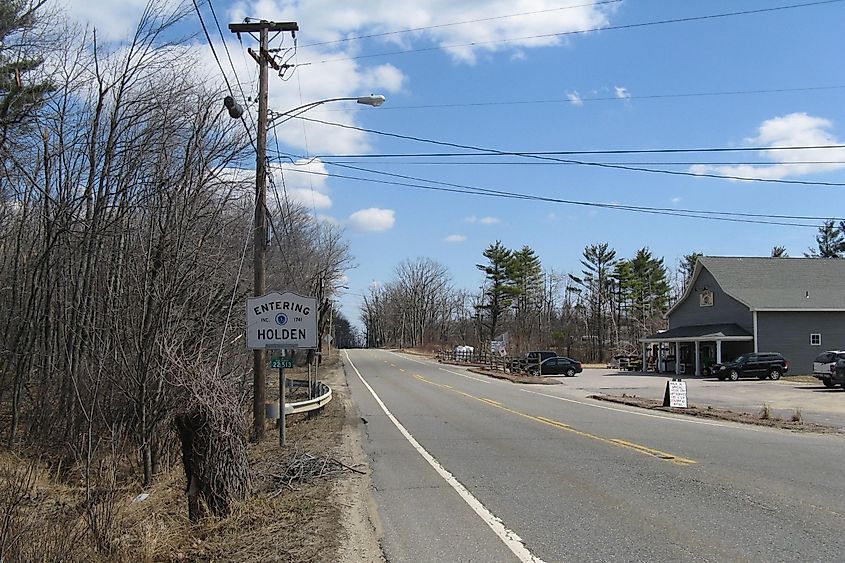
{"points": [[278, 363], [281, 321], [676, 394]]}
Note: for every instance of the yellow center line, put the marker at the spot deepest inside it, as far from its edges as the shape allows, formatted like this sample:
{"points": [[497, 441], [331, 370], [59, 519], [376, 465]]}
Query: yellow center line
{"points": [[618, 442]]}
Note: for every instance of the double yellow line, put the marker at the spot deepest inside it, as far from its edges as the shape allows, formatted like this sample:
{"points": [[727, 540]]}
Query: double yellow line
{"points": [[561, 426]]}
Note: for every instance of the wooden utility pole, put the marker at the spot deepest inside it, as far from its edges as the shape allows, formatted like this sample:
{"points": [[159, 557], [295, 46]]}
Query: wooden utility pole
{"points": [[264, 59]]}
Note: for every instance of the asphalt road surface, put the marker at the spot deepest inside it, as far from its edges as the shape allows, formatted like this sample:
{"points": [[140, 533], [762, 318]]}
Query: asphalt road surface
{"points": [[467, 468]]}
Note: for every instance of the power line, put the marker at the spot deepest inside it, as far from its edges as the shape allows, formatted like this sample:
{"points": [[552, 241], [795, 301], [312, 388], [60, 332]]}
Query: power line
{"points": [[574, 152], [582, 31], [542, 156], [487, 191], [647, 163], [616, 98], [689, 213], [452, 24], [220, 66]]}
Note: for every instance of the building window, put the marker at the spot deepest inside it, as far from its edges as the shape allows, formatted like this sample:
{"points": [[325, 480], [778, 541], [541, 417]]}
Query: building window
{"points": [[815, 339]]}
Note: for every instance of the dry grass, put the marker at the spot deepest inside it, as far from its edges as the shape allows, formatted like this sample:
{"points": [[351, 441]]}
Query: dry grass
{"points": [[50, 519], [765, 412]]}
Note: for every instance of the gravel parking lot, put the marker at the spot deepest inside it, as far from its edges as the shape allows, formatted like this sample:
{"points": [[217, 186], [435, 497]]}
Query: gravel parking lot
{"points": [[815, 402]]}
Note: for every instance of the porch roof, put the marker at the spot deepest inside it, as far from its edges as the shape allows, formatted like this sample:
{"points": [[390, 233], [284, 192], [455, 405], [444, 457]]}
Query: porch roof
{"points": [[700, 332]]}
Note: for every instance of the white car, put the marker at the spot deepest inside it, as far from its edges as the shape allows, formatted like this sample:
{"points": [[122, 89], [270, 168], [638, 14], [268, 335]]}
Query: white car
{"points": [[823, 366]]}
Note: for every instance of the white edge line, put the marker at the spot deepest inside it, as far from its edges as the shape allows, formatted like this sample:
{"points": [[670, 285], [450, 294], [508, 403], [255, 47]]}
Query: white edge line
{"points": [[508, 537]]}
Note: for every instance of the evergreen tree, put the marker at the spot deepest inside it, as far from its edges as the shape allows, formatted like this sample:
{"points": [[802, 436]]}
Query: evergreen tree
{"points": [[598, 261], [649, 292], [779, 252], [687, 266], [830, 241], [20, 94], [499, 289], [526, 278]]}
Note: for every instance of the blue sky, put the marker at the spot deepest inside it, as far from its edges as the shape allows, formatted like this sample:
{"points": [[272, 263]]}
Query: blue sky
{"points": [[509, 93]]}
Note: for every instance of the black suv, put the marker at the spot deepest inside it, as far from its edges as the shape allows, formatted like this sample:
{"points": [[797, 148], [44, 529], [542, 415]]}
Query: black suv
{"points": [[761, 364]]}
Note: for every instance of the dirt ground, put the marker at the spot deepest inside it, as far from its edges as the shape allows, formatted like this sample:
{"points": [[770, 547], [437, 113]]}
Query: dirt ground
{"points": [[326, 517], [763, 418]]}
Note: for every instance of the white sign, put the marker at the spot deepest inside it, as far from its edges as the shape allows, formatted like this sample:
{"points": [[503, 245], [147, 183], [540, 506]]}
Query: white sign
{"points": [[281, 321], [677, 393]]}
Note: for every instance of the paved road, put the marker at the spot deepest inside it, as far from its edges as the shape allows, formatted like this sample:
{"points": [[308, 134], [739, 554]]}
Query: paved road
{"points": [[816, 402], [471, 469]]}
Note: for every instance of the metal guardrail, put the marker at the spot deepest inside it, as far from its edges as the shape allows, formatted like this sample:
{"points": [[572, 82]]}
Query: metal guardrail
{"points": [[323, 394]]}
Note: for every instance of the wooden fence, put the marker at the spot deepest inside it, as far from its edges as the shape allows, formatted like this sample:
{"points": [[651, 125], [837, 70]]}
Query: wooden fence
{"points": [[489, 361]]}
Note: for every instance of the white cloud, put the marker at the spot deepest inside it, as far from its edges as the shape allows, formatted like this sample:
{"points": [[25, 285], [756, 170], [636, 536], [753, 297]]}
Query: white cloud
{"points": [[372, 220], [472, 219], [304, 183], [795, 129], [676, 200], [114, 21], [575, 98], [455, 238], [621, 92], [330, 70]]}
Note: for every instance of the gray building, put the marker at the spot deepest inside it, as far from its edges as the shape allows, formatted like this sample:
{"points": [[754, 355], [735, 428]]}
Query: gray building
{"points": [[795, 306]]}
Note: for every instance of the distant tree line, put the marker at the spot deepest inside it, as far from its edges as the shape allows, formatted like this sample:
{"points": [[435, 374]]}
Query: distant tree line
{"points": [[603, 309]]}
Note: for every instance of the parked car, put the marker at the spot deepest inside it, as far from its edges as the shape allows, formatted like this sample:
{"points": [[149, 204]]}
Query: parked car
{"points": [[839, 372], [824, 366], [557, 366], [760, 364]]}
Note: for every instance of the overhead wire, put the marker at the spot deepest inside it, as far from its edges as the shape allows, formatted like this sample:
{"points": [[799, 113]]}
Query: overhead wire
{"points": [[584, 152], [582, 31], [517, 195], [733, 217], [545, 156], [464, 22], [615, 98], [220, 65]]}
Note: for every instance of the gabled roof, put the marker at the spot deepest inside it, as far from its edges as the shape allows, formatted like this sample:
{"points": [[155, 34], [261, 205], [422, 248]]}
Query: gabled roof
{"points": [[777, 283]]}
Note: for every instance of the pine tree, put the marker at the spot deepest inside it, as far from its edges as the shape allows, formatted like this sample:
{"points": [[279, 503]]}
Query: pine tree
{"points": [[830, 241], [499, 290], [21, 94]]}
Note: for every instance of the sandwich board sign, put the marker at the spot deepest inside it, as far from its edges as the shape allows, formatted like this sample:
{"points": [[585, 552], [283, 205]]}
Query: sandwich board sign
{"points": [[676, 394], [281, 321]]}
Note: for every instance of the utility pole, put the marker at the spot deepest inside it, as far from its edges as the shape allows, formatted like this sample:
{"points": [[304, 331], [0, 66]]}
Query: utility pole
{"points": [[264, 59]]}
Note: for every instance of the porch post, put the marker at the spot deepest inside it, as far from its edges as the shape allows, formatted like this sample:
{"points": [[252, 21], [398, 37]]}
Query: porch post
{"points": [[697, 359], [645, 358], [718, 351], [677, 357]]}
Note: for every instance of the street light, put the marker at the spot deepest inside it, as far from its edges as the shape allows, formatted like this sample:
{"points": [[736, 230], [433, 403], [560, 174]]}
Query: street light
{"points": [[374, 100], [265, 121]]}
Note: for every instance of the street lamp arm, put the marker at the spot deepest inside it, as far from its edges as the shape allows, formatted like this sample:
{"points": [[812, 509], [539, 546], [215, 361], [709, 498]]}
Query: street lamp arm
{"points": [[372, 100]]}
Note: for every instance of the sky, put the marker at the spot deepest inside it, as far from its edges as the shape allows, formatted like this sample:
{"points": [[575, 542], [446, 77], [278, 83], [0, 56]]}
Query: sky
{"points": [[540, 76]]}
